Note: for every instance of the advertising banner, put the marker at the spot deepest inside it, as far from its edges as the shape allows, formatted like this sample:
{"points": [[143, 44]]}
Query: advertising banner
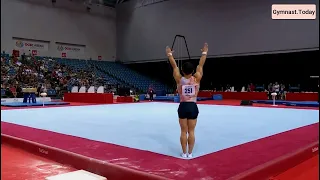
{"points": [[70, 49], [20, 44]]}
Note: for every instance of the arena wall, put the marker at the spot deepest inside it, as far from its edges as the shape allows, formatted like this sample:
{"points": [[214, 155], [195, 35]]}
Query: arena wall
{"points": [[65, 25], [231, 27]]}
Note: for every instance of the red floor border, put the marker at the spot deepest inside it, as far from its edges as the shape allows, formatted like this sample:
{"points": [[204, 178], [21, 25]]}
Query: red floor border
{"points": [[281, 164], [77, 161], [240, 157]]}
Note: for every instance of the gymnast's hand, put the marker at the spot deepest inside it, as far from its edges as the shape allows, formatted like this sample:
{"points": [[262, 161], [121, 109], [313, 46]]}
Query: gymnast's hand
{"points": [[205, 48], [168, 50]]}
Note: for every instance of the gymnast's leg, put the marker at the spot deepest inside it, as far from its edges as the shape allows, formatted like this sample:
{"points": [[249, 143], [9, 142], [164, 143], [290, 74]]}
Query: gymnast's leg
{"points": [[183, 136], [191, 137]]}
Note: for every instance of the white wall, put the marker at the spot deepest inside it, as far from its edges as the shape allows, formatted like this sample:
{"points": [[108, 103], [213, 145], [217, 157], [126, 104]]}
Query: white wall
{"points": [[33, 20]]}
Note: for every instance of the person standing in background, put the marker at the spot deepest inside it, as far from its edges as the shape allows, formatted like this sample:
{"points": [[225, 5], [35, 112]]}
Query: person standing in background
{"points": [[252, 87], [282, 91], [270, 90], [276, 88], [150, 92]]}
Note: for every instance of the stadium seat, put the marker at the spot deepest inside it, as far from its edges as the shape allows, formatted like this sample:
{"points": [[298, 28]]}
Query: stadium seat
{"points": [[51, 92], [91, 89], [100, 89], [82, 89], [75, 89]]}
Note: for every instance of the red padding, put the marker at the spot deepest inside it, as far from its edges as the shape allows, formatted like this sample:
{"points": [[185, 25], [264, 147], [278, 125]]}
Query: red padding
{"points": [[279, 165], [102, 168], [100, 98], [124, 99], [302, 96]]}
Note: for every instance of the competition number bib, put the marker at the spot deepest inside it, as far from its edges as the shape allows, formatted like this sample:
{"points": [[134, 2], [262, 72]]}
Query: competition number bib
{"points": [[188, 90]]}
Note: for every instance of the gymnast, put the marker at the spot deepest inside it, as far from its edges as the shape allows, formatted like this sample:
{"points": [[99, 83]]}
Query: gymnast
{"points": [[188, 88]]}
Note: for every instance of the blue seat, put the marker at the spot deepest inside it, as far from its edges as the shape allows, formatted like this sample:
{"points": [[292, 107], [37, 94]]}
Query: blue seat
{"points": [[3, 92], [51, 92]]}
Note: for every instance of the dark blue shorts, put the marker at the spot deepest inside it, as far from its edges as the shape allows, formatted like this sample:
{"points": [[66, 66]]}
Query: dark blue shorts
{"points": [[188, 110]]}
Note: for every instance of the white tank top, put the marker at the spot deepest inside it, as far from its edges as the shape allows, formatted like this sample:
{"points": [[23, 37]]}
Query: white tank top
{"points": [[188, 89]]}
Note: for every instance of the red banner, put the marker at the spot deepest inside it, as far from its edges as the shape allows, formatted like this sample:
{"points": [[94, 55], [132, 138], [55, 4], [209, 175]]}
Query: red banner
{"points": [[15, 53], [34, 52], [64, 54], [99, 57]]}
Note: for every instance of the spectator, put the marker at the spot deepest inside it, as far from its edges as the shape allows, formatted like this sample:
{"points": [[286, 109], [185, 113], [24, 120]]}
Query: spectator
{"points": [[151, 93], [251, 87], [282, 91], [276, 88]]}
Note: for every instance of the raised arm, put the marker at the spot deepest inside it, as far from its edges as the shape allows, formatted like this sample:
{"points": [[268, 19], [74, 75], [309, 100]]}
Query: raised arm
{"points": [[176, 71], [199, 71]]}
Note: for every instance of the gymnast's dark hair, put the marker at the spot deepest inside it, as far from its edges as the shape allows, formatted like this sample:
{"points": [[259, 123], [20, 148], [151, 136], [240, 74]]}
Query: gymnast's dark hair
{"points": [[187, 68]]}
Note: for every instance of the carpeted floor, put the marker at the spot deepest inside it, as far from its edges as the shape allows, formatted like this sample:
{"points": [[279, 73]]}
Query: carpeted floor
{"points": [[220, 165], [213, 102], [154, 127]]}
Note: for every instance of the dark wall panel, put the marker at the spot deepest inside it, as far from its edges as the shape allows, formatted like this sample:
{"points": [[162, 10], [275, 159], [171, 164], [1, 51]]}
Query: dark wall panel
{"points": [[229, 26], [291, 68]]}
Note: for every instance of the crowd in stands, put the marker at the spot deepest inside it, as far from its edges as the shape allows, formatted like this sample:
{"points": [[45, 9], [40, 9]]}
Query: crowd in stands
{"points": [[45, 74]]}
